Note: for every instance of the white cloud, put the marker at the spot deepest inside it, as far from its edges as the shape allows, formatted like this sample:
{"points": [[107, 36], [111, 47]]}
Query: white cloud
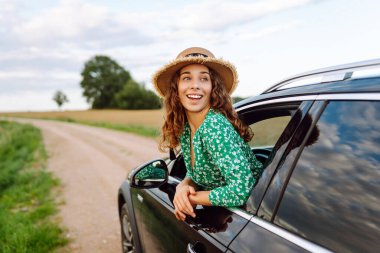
{"points": [[73, 23], [227, 14], [68, 20], [85, 25], [243, 35], [41, 100], [17, 82], [30, 74]]}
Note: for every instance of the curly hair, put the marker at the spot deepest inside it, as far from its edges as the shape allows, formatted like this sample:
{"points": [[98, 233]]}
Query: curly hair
{"points": [[175, 119]]}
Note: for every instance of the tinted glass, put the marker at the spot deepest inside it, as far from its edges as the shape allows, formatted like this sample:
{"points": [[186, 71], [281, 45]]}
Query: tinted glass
{"points": [[268, 131], [332, 196], [278, 122], [286, 151]]}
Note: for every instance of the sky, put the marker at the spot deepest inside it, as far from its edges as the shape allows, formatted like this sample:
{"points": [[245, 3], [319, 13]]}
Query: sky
{"points": [[44, 44]]}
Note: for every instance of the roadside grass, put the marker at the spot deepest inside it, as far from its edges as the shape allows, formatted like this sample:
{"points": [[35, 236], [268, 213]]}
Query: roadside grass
{"points": [[146, 131], [26, 193]]}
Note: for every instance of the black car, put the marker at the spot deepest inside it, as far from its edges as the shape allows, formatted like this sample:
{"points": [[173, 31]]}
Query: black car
{"points": [[318, 136]]}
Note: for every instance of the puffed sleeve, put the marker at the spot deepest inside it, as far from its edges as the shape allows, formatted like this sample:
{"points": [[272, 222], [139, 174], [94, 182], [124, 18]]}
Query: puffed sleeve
{"points": [[225, 147]]}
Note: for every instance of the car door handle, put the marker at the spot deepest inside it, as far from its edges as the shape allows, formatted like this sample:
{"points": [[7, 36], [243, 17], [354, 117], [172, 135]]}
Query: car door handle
{"points": [[196, 248]]}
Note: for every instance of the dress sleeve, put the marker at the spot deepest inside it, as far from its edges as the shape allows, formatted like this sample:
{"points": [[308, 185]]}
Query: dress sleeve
{"points": [[223, 143], [184, 142]]}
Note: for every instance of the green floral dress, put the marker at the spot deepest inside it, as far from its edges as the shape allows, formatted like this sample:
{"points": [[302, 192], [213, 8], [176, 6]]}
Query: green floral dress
{"points": [[223, 163]]}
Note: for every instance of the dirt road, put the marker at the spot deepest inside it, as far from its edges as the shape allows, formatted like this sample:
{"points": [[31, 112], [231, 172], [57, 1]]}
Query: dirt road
{"points": [[91, 164]]}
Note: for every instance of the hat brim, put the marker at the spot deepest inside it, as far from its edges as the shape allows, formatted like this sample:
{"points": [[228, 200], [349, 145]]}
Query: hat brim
{"points": [[226, 70]]}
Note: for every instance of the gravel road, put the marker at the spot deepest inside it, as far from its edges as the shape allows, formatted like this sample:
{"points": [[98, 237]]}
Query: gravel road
{"points": [[91, 164]]}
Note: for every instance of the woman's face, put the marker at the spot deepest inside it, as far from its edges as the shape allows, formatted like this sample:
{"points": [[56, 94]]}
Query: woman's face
{"points": [[194, 87]]}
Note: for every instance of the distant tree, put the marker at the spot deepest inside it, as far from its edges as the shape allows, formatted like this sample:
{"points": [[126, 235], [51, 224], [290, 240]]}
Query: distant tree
{"points": [[60, 98], [136, 96], [102, 79], [237, 99]]}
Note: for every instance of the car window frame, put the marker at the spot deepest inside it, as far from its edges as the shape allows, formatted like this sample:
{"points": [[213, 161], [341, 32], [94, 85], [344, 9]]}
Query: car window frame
{"points": [[276, 185], [297, 104]]}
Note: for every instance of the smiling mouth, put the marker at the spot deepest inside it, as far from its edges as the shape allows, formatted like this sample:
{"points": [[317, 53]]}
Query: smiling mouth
{"points": [[194, 96]]}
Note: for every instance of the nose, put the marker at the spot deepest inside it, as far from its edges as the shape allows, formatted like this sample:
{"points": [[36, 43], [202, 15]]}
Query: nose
{"points": [[194, 84]]}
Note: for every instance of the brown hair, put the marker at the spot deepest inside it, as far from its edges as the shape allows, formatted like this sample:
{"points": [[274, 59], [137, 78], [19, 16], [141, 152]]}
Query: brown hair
{"points": [[175, 120]]}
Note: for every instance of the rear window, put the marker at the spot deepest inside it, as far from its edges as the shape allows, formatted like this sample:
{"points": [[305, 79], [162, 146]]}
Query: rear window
{"points": [[333, 195]]}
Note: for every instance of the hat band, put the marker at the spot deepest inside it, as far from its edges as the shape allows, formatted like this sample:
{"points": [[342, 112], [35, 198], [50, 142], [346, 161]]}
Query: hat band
{"points": [[196, 55]]}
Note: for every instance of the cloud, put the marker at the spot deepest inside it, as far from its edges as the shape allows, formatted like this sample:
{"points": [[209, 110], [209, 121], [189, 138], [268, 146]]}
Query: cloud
{"points": [[214, 20], [68, 20], [16, 82], [72, 23], [85, 24], [241, 34], [226, 14], [33, 58], [35, 74], [45, 44], [31, 100]]}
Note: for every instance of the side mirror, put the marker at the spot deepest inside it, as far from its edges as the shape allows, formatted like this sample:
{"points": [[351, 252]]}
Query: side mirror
{"points": [[150, 175]]}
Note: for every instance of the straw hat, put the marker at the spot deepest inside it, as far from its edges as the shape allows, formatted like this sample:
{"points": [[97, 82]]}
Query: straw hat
{"points": [[195, 55]]}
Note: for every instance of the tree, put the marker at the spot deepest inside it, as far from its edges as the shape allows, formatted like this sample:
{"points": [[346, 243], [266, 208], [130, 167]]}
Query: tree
{"points": [[102, 79], [136, 96], [60, 98], [237, 99]]}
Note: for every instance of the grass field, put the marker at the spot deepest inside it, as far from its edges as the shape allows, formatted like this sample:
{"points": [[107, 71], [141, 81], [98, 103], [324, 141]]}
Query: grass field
{"points": [[143, 122], [26, 193]]}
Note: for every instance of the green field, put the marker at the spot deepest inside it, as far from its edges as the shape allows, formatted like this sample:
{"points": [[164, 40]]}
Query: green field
{"points": [[27, 195], [142, 122]]}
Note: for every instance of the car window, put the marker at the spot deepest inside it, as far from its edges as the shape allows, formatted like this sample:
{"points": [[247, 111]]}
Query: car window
{"points": [[278, 122], [332, 196], [266, 134], [268, 131]]}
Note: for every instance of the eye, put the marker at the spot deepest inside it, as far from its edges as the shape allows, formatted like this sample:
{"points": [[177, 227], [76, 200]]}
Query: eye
{"points": [[186, 78], [204, 79]]}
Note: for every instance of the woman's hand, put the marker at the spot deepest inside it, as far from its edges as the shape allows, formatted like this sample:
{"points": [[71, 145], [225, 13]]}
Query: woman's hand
{"points": [[182, 202]]}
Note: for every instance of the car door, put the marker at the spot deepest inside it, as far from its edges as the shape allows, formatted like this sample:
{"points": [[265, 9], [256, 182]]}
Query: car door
{"points": [[211, 231]]}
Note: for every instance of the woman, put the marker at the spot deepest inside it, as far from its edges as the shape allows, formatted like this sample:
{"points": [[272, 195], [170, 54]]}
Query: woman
{"points": [[221, 168]]}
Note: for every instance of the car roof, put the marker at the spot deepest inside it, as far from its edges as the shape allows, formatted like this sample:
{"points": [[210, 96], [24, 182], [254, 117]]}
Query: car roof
{"points": [[358, 77]]}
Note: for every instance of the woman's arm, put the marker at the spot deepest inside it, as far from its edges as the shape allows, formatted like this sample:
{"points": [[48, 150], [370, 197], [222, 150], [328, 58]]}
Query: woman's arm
{"points": [[200, 198]]}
